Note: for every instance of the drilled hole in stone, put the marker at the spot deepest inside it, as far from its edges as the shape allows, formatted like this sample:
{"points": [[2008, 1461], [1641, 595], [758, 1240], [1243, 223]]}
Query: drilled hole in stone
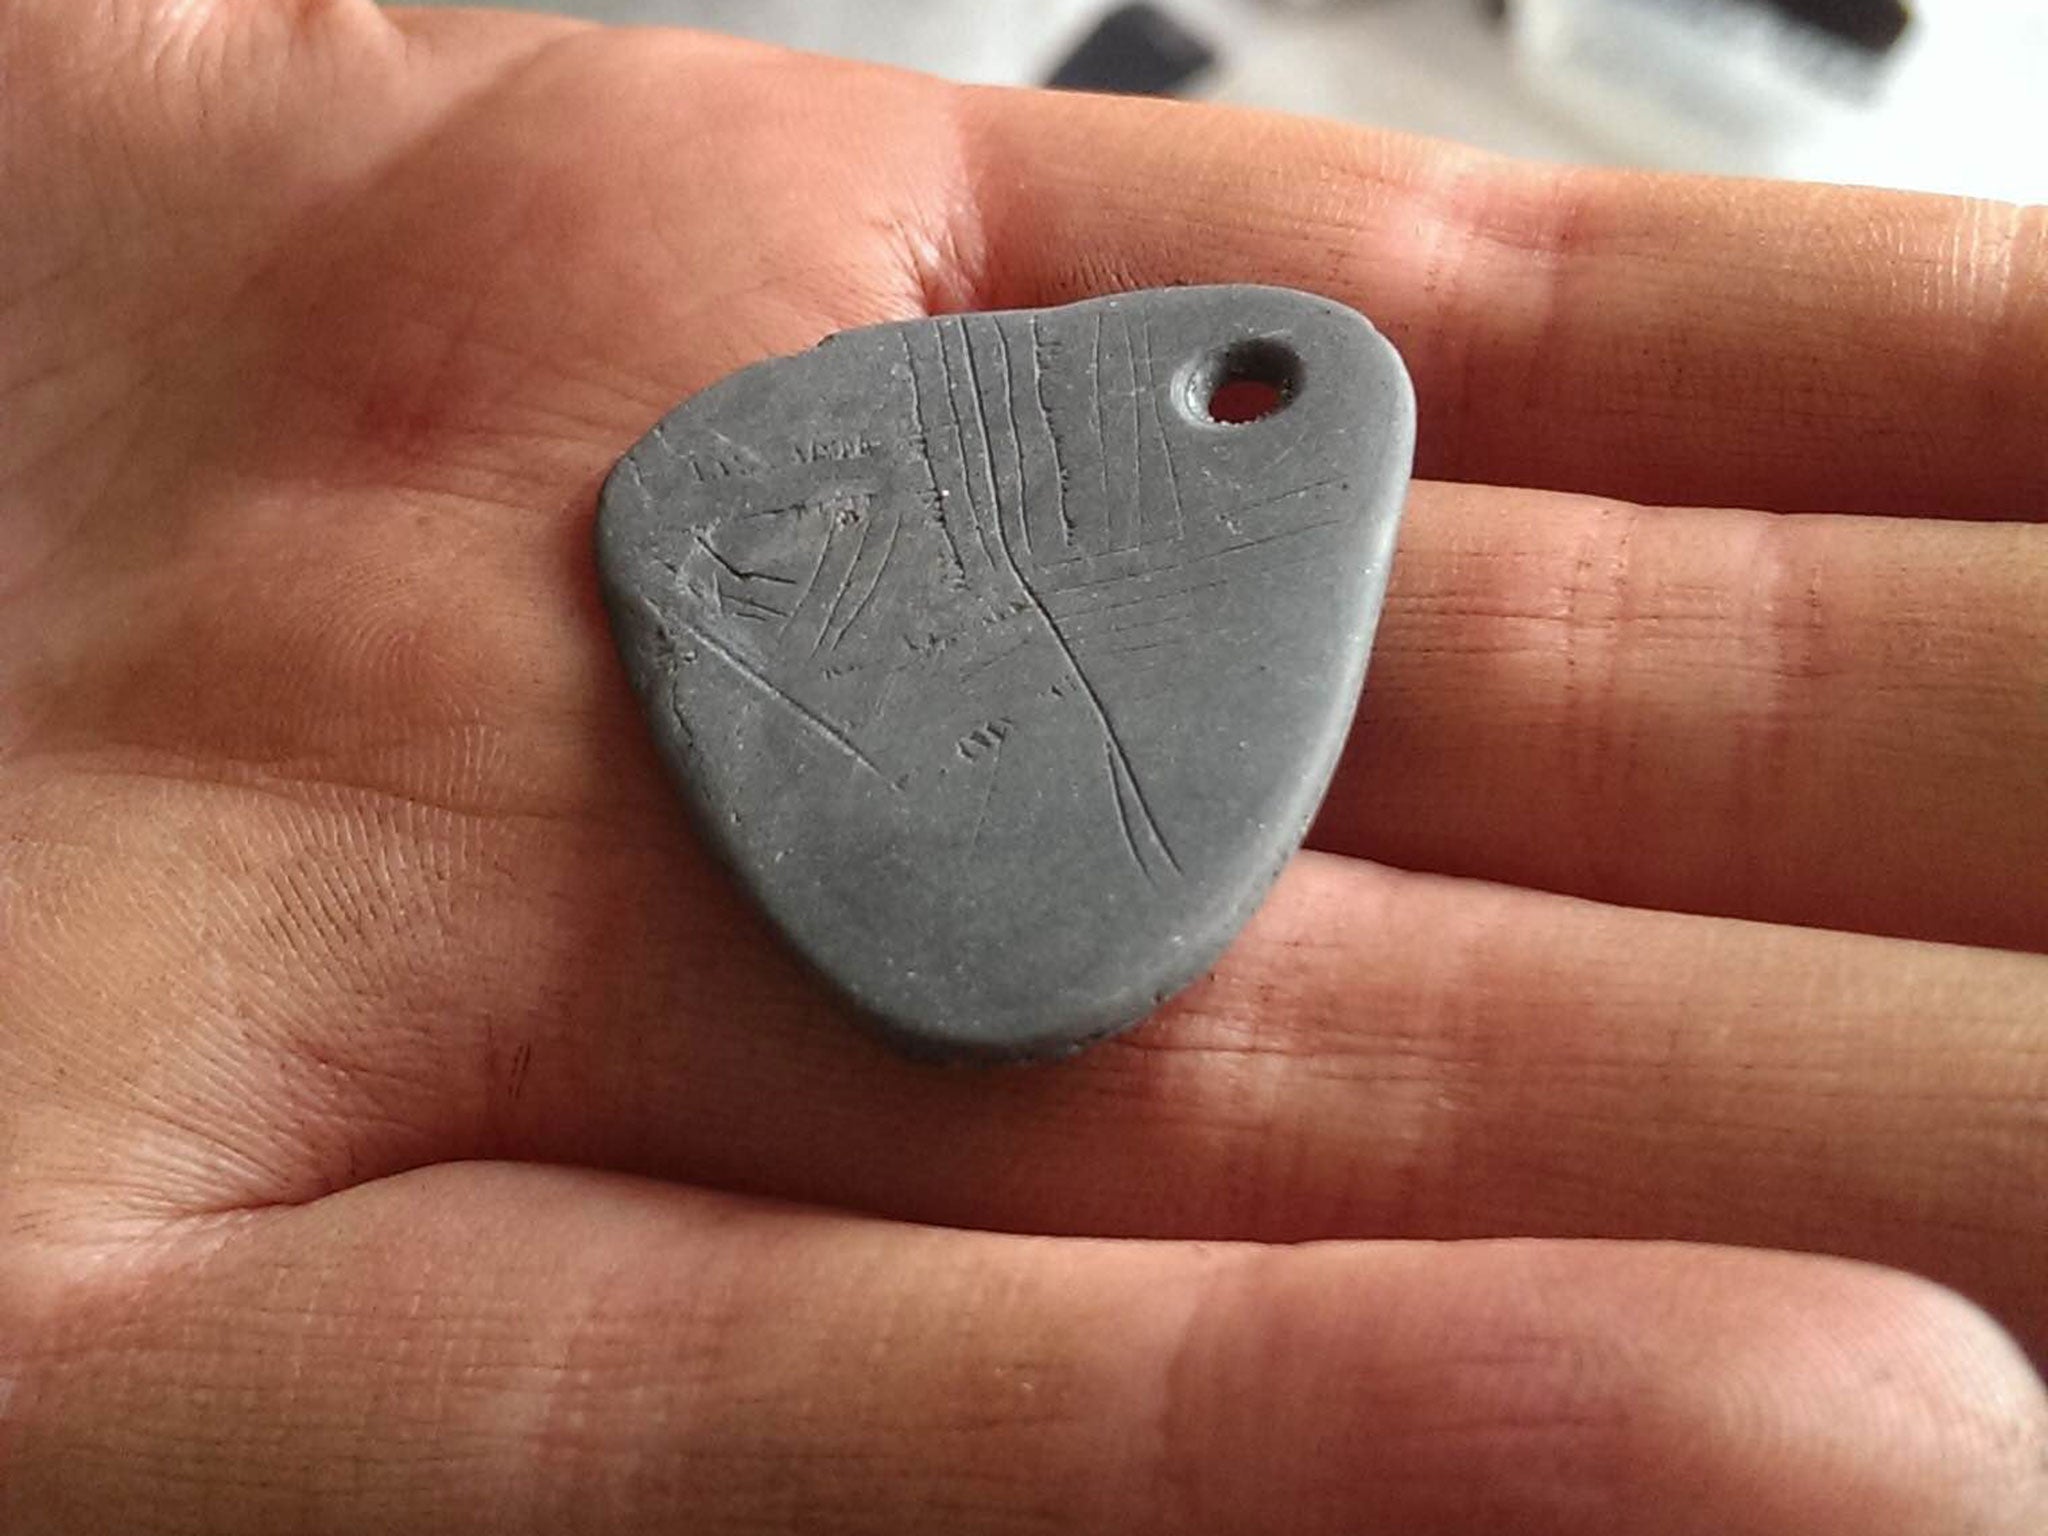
{"points": [[1244, 382]]}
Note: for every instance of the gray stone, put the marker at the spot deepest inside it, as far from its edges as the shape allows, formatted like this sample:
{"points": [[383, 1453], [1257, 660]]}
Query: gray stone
{"points": [[1001, 672]]}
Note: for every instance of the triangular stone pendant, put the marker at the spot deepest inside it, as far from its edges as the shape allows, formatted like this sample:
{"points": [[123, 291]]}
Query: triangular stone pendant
{"points": [[1006, 657]]}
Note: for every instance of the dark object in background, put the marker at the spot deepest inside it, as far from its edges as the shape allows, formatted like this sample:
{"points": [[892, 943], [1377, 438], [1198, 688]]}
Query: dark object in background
{"points": [[1136, 50], [1874, 26], [1004, 658]]}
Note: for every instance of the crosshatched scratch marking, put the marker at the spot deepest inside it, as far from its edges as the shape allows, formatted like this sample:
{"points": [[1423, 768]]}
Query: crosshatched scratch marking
{"points": [[1119, 753], [875, 585], [845, 579], [808, 587]]}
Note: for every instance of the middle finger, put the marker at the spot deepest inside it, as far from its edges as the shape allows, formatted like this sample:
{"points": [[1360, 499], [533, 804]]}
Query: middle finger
{"points": [[1839, 721]]}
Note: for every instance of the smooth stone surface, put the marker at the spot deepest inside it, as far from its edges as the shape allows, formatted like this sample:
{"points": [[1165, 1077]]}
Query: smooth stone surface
{"points": [[1003, 675]]}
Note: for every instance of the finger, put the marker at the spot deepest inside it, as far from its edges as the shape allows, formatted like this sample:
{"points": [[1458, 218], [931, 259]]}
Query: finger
{"points": [[505, 1350], [1379, 1054], [1835, 721], [1662, 338], [1665, 339]]}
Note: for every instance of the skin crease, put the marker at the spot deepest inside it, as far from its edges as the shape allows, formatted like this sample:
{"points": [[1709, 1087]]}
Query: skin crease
{"points": [[403, 1127]]}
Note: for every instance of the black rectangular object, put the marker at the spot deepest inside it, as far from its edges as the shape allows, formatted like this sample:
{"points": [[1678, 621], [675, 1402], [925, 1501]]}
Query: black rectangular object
{"points": [[1136, 50]]}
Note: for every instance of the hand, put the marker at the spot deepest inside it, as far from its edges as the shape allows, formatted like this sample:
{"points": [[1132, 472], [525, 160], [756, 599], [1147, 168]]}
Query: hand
{"points": [[404, 1128]]}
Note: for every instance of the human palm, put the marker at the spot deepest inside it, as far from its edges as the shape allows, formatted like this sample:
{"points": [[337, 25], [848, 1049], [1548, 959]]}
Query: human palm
{"points": [[404, 1126]]}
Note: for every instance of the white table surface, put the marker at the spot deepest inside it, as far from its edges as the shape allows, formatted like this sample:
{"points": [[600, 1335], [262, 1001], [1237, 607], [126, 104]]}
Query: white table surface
{"points": [[1966, 112]]}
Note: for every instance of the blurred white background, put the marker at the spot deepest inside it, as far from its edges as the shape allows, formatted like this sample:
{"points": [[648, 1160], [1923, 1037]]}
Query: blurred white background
{"points": [[1960, 105]]}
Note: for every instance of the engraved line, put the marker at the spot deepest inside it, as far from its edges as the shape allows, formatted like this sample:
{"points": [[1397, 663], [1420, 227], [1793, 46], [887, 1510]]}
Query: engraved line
{"points": [[1202, 586], [881, 570], [1119, 775], [734, 571], [1276, 500], [1096, 381], [1136, 624], [845, 580], [1137, 442], [988, 798], [1095, 584], [1049, 567], [960, 437], [1180, 516], [924, 425], [1123, 814], [882, 695], [675, 713], [1142, 665], [810, 583], [1016, 437], [1116, 742], [960, 446], [1171, 682], [1276, 536], [924, 430], [1141, 600], [988, 452], [1143, 646], [989, 661], [667, 643], [1092, 589], [817, 573], [1190, 590], [859, 664], [740, 451], [1059, 458], [753, 607], [661, 632], [817, 722]]}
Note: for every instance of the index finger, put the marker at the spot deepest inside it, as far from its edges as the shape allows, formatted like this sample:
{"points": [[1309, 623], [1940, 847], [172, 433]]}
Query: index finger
{"points": [[1663, 339]]}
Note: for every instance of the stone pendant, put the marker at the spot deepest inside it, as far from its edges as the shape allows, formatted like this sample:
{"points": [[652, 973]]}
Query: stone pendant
{"points": [[1005, 658]]}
